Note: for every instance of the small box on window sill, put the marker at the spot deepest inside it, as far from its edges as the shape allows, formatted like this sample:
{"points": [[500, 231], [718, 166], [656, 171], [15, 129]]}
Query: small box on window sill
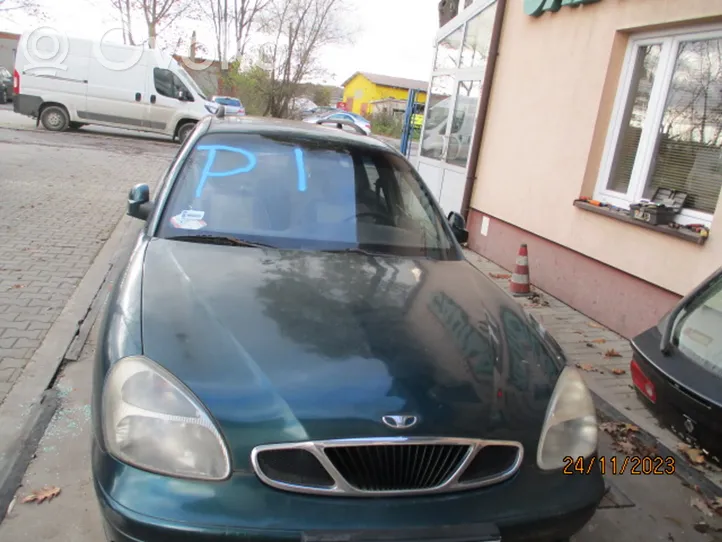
{"points": [[662, 209]]}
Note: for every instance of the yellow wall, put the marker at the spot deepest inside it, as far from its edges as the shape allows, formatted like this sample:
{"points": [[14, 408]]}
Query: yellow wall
{"points": [[364, 91], [550, 105]]}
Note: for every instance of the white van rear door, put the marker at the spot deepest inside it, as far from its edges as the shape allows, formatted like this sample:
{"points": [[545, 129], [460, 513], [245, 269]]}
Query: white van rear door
{"points": [[117, 86], [55, 72]]}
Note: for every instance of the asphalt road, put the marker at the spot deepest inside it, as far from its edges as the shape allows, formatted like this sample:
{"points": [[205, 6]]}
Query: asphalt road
{"points": [[649, 508]]}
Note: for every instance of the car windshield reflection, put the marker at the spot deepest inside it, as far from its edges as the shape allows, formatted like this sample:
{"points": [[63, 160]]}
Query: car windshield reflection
{"points": [[303, 193]]}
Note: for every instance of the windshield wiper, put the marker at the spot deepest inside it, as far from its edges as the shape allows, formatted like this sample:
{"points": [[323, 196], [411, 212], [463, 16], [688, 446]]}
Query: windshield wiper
{"points": [[219, 240], [353, 251]]}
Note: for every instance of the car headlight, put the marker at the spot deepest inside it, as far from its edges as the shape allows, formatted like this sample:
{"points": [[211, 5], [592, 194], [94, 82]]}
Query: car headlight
{"points": [[211, 108], [153, 422], [570, 426]]}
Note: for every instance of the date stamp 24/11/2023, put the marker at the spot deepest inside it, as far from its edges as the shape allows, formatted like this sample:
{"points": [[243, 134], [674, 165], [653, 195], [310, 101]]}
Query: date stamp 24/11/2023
{"points": [[632, 464]]}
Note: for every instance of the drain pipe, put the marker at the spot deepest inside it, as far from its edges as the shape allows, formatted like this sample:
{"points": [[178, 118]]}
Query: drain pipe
{"points": [[483, 107]]}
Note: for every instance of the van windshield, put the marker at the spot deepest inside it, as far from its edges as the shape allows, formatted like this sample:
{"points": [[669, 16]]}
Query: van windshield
{"points": [[188, 80]]}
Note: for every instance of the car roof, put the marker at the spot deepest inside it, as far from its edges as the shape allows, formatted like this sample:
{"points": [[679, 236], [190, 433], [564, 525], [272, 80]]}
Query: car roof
{"points": [[265, 125]]}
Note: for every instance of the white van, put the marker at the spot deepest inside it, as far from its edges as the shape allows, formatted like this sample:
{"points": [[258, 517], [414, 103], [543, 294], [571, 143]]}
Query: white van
{"points": [[66, 83]]}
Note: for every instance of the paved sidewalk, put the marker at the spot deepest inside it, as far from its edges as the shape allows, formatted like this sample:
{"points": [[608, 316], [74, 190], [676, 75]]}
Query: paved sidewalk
{"points": [[62, 196], [586, 342]]}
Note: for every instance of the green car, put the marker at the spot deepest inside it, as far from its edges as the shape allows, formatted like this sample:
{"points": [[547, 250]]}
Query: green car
{"points": [[297, 350]]}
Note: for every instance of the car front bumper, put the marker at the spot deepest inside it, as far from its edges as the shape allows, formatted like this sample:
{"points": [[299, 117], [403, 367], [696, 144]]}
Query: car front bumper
{"points": [[138, 506]]}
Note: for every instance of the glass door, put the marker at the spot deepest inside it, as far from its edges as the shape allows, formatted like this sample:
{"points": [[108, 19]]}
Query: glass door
{"points": [[453, 102]]}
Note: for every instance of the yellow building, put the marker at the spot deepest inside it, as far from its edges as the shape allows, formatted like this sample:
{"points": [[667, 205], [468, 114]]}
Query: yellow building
{"points": [[362, 88]]}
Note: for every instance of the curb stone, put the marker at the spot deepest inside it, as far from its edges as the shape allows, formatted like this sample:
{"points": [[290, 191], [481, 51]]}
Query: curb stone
{"points": [[21, 452], [686, 472], [28, 408]]}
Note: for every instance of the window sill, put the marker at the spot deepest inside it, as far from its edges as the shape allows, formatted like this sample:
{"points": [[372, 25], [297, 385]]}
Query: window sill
{"points": [[679, 233]]}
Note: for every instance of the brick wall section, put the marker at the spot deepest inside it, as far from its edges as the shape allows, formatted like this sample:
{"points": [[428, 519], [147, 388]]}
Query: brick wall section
{"points": [[62, 195]]}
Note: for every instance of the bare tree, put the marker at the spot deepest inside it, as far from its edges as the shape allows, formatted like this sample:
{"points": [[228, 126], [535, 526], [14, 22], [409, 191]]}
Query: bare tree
{"points": [[31, 7], [245, 13], [125, 12], [232, 21], [158, 15], [298, 30]]}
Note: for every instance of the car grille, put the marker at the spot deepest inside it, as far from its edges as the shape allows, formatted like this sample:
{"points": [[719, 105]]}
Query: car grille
{"points": [[387, 466], [404, 467]]}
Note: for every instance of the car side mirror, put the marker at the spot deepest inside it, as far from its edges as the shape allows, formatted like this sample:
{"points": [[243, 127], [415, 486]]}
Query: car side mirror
{"points": [[139, 204], [183, 95], [458, 227]]}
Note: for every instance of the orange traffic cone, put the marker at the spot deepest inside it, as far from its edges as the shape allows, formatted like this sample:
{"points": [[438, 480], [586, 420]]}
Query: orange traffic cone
{"points": [[519, 284]]}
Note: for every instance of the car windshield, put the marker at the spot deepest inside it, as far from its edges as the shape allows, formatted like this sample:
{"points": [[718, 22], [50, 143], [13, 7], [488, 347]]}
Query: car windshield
{"points": [[307, 193], [696, 332], [233, 102]]}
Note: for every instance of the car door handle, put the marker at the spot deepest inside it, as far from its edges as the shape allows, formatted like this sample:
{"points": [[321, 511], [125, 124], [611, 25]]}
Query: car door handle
{"points": [[137, 96], [152, 98]]}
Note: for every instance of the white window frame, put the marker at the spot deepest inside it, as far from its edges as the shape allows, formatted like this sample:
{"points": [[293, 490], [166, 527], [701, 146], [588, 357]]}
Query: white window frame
{"points": [[669, 41]]}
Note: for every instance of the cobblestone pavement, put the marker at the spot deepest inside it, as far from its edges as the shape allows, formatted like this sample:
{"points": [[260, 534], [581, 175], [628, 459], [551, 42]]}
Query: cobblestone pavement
{"points": [[589, 344], [61, 197]]}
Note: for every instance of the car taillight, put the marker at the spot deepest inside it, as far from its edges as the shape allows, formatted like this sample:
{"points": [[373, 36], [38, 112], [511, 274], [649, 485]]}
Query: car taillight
{"points": [[16, 82], [642, 382]]}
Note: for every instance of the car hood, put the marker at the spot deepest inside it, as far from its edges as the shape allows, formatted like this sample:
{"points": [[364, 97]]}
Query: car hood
{"points": [[292, 345]]}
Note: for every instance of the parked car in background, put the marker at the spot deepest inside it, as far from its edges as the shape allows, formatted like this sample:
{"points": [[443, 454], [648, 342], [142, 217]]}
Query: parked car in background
{"points": [[6, 85], [152, 92], [233, 105], [320, 111], [358, 120], [298, 349], [677, 368]]}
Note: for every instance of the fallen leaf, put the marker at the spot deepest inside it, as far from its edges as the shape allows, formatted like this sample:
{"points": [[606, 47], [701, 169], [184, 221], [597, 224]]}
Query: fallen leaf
{"points": [[594, 324], [625, 447], [631, 427], [18, 286], [47, 493], [716, 504], [599, 341], [695, 456], [700, 505], [612, 353], [500, 275], [586, 367], [618, 371]]}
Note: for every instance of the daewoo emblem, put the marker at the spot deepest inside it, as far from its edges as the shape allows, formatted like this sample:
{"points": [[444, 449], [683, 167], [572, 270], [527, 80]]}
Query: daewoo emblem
{"points": [[400, 422]]}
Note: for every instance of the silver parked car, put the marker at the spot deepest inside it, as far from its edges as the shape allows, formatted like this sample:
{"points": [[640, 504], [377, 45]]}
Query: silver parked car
{"points": [[358, 120], [233, 105]]}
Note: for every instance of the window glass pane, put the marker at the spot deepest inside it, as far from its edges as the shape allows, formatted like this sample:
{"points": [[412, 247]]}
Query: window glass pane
{"points": [[463, 121], [437, 114], [697, 334], [447, 52], [307, 193], [635, 113], [688, 153], [477, 40], [163, 82]]}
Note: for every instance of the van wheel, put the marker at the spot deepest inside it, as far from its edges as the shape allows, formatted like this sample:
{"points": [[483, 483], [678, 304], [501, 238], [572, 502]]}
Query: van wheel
{"points": [[184, 131], [4, 96], [54, 118]]}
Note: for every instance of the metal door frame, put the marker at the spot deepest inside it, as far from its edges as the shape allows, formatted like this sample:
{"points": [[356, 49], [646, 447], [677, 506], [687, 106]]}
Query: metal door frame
{"points": [[458, 74]]}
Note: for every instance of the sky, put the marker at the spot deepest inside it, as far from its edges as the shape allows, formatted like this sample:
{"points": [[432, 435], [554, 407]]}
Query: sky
{"points": [[395, 37]]}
